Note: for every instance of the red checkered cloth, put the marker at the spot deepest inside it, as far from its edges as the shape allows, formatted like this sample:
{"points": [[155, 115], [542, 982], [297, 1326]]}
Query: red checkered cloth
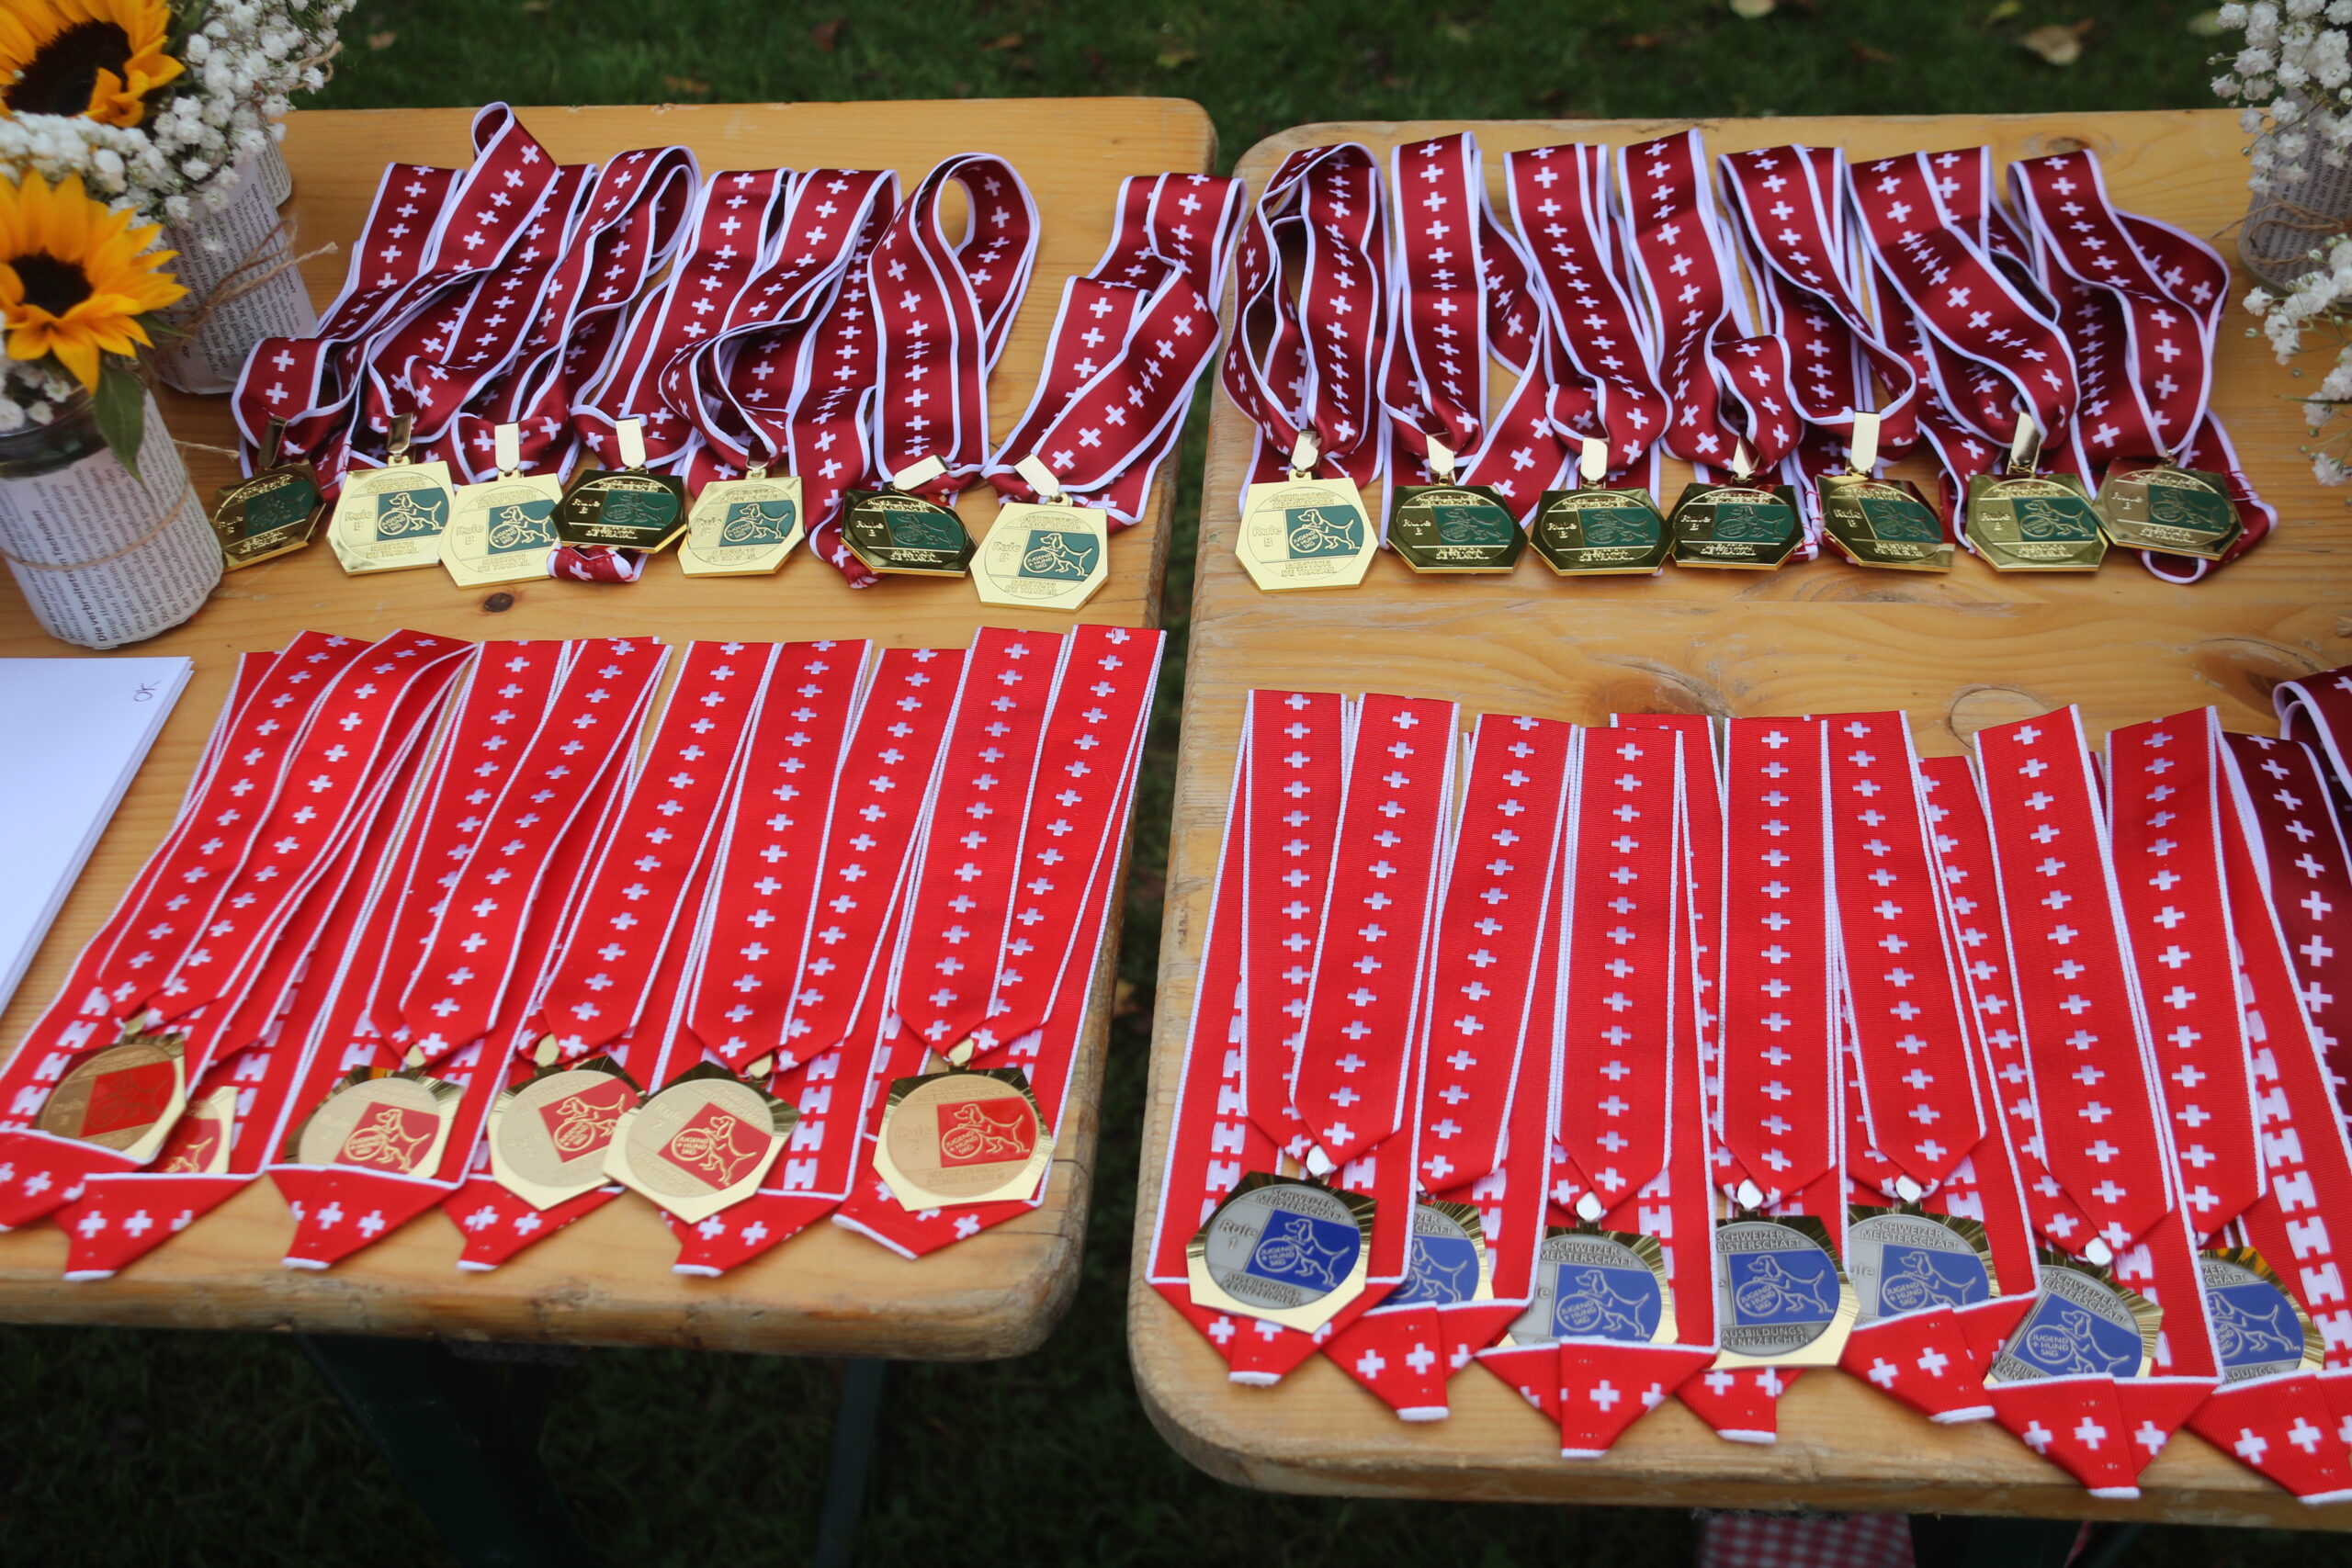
{"points": [[1804, 1540]]}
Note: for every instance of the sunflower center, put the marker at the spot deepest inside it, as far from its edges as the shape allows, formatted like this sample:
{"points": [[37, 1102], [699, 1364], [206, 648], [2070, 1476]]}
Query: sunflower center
{"points": [[55, 286], [62, 72]]}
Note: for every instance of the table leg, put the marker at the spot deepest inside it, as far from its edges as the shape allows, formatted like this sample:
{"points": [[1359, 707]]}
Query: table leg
{"points": [[1942, 1541], [463, 1436], [861, 1411]]}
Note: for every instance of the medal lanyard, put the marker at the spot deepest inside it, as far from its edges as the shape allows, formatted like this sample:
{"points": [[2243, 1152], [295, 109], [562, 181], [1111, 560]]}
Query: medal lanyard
{"points": [[1367, 997], [1078, 814], [1460, 296], [1129, 343], [2141, 301], [1624, 988], [1713, 366], [425, 227], [726, 237], [943, 305], [1292, 772], [1965, 855], [1782, 1110], [774, 826], [745, 385], [470, 961], [2089, 1068], [1600, 347], [1903, 999], [1703, 878], [647, 877], [634, 220], [1789, 204], [2165, 821], [1305, 353], [1995, 354], [2307, 875], [332, 782], [959, 906], [1486, 1044]]}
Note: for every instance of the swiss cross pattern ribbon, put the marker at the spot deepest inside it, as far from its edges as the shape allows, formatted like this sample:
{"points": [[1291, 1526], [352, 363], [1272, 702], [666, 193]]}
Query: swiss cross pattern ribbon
{"points": [[1366, 1001], [1129, 343], [943, 309], [764, 885], [1306, 354], [1294, 771], [2308, 877], [2164, 825], [1489, 960], [1783, 1081], [470, 959], [1918, 1093], [642, 886]]}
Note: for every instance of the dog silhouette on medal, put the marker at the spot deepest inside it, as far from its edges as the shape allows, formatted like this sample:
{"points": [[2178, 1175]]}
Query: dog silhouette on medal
{"points": [[1596, 1306], [1289, 1249], [1918, 1281], [2243, 1334], [2067, 1342], [1314, 534], [1771, 1293], [1435, 1280]]}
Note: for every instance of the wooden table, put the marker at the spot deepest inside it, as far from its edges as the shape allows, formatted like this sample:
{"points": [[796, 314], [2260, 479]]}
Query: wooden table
{"points": [[606, 1279], [1958, 652]]}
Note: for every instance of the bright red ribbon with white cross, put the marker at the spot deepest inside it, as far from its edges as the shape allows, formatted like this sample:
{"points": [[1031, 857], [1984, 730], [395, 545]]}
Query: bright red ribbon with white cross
{"points": [[1305, 356]]}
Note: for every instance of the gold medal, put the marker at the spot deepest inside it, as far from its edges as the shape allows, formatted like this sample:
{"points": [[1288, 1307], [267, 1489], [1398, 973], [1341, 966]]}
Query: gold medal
{"points": [[626, 508], [896, 532], [1781, 1299], [397, 1123], [1745, 524], [1876, 521], [273, 512], [201, 1140], [1592, 531], [390, 519], [962, 1136], [2024, 521], [504, 529], [548, 1134], [2151, 504], [124, 1098], [703, 1143], [2083, 1324], [1303, 531], [1050, 554], [1282, 1250], [742, 527], [1446, 529]]}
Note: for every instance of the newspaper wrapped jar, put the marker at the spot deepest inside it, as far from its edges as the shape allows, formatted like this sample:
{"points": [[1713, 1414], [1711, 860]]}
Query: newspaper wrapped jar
{"points": [[104, 557], [237, 266]]}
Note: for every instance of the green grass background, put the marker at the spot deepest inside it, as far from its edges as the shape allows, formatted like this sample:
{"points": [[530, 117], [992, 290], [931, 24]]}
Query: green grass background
{"points": [[119, 1447]]}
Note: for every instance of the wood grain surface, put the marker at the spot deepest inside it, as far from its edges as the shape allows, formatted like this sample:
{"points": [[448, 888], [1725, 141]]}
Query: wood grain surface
{"points": [[606, 1279], [1957, 652]]}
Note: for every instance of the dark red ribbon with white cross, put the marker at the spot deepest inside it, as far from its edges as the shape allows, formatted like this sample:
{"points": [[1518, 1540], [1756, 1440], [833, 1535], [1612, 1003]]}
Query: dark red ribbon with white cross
{"points": [[1128, 344], [943, 309], [725, 240], [1601, 374], [2309, 877], [2140, 301], [1306, 354]]}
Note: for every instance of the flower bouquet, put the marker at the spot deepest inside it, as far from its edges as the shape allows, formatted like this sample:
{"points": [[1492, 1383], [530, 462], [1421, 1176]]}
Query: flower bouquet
{"points": [[170, 108]]}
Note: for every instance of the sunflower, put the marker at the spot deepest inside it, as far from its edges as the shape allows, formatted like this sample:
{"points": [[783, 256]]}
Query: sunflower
{"points": [[100, 58], [75, 278]]}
